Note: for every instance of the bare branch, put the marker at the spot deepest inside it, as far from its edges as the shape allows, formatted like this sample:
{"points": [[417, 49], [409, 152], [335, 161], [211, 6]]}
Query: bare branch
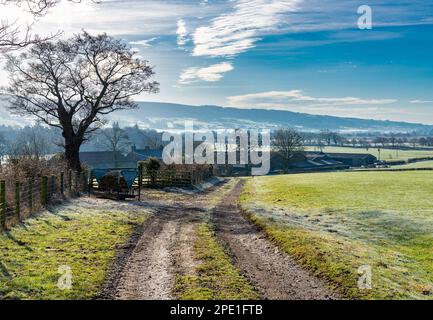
{"points": [[14, 36]]}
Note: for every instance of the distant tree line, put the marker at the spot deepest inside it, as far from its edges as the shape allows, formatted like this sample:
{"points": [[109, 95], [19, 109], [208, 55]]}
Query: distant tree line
{"points": [[36, 142], [326, 138]]}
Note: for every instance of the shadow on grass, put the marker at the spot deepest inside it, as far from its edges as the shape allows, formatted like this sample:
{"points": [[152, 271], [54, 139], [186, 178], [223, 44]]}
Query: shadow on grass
{"points": [[17, 241]]}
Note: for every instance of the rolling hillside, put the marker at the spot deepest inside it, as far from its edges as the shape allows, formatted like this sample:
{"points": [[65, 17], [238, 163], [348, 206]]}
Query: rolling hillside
{"points": [[158, 115]]}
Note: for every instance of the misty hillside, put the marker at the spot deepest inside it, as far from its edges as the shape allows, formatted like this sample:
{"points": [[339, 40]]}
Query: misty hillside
{"points": [[159, 115]]}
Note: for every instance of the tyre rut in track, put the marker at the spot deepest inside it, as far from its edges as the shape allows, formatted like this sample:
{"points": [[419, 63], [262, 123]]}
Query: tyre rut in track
{"points": [[163, 251], [274, 274]]}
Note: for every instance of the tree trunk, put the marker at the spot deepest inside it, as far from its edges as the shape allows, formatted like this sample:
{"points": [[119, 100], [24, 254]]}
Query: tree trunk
{"points": [[72, 154]]}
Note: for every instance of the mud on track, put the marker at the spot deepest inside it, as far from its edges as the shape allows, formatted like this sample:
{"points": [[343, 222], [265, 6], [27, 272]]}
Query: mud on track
{"points": [[275, 275], [162, 252], [163, 249]]}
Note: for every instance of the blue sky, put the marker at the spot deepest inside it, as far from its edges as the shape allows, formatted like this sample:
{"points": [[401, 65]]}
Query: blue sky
{"points": [[298, 55]]}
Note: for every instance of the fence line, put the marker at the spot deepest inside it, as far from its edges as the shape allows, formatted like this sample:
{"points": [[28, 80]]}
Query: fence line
{"points": [[20, 199], [166, 178]]}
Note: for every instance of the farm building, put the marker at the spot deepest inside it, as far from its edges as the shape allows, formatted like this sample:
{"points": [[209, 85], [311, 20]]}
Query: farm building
{"points": [[143, 154], [306, 162], [353, 159]]}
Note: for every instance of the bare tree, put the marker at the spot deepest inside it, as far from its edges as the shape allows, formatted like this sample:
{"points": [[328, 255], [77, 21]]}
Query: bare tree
{"points": [[36, 7], [14, 36], [30, 144], [73, 84], [115, 140], [287, 143]]}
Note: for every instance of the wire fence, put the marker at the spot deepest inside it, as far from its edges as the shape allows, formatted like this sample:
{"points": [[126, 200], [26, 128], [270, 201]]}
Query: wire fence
{"points": [[20, 199]]}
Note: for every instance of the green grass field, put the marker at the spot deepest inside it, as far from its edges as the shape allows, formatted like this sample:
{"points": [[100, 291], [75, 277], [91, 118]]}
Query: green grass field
{"points": [[334, 223], [415, 165], [385, 154], [78, 236]]}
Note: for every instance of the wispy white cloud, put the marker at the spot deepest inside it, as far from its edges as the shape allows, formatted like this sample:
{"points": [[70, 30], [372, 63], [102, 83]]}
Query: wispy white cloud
{"points": [[283, 99], [143, 43], [150, 18], [231, 33], [297, 101], [211, 73], [237, 31], [421, 101], [182, 33]]}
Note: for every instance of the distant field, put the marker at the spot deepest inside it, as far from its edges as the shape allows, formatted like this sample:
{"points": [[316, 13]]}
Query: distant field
{"points": [[415, 165], [334, 223], [385, 154]]}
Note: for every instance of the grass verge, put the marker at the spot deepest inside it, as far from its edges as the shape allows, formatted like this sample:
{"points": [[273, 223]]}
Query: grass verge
{"points": [[85, 239], [216, 277]]}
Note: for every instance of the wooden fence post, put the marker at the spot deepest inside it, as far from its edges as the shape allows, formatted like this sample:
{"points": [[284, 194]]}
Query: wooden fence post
{"points": [[53, 187], [77, 182], [70, 181], [62, 183], [3, 204], [18, 199], [44, 192], [30, 194], [83, 182]]}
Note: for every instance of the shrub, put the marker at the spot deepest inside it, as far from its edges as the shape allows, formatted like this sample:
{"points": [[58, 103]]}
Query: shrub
{"points": [[152, 166]]}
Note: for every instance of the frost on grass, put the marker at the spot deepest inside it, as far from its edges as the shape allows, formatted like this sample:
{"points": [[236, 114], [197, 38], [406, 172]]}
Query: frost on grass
{"points": [[83, 235], [333, 223]]}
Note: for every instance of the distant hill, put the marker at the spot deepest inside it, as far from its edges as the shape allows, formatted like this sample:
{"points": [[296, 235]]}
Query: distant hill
{"points": [[158, 115]]}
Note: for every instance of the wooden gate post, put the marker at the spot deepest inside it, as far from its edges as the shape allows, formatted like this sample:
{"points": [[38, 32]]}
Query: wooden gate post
{"points": [[140, 180], [3, 204], [18, 199]]}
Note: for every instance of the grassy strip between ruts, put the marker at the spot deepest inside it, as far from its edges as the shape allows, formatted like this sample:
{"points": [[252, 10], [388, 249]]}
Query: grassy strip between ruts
{"points": [[216, 277], [335, 223], [84, 239]]}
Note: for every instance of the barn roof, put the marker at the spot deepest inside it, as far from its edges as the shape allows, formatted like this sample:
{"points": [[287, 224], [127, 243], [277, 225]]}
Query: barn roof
{"points": [[105, 160], [100, 156], [350, 155], [314, 154], [144, 154]]}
